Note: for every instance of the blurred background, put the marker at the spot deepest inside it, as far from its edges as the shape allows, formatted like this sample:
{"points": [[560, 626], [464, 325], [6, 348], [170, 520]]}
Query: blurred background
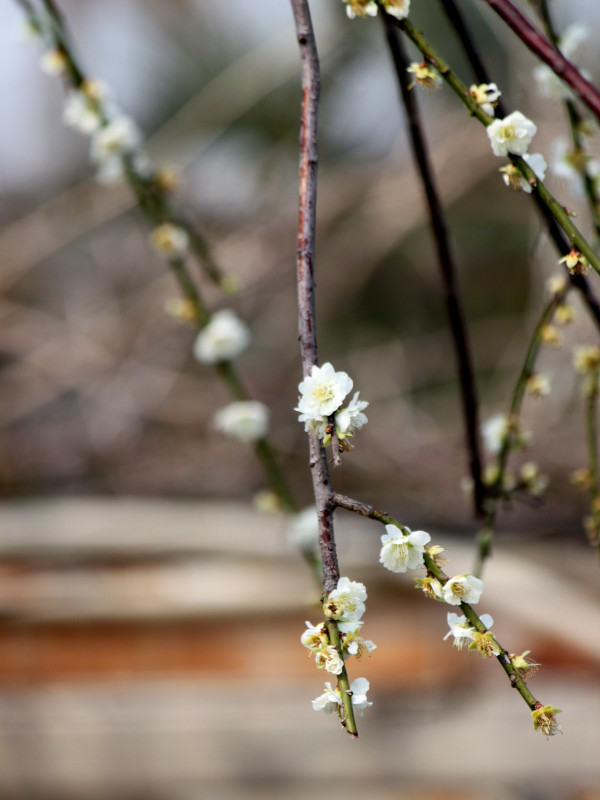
{"points": [[149, 639]]}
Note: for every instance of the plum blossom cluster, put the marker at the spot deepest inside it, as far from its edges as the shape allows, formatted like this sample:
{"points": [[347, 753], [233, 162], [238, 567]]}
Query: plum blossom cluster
{"points": [[368, 8], [322, 394], [345, 606], [512, 136]]}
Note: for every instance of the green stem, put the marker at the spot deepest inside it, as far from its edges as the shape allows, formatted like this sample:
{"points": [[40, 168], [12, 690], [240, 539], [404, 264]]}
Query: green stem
{"points": [[458, 87], [347, 714], [365, 510]]}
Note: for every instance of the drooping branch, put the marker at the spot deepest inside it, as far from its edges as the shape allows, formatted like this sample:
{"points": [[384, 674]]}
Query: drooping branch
{"points": [[446, 263], [543, 49], [307, 330]]}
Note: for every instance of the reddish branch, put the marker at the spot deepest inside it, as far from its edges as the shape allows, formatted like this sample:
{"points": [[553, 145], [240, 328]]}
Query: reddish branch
{"points": [[544, 50], [446, 263], [307, 203]]}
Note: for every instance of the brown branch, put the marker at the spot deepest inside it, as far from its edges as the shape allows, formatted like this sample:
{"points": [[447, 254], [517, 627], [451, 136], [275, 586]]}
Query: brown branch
{"points": [[543, 49], [446, 263], [307, 330]]}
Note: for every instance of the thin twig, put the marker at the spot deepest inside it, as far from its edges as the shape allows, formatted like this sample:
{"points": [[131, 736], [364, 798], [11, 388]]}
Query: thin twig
{"points": [[504, 657], [307, 202], [446, 263], [544, 50]]}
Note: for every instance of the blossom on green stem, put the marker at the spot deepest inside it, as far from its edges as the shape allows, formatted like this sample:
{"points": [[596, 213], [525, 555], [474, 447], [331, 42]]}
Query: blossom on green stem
{"points": [[575, 262], [484, 643], [54, 63], [331, 701], [523, 665], [425, 76], [244, 420], [513, 134], [461, 589], [586, 358], [512, 176], [486, 96], [352, 643], [224, 337], [360, 8], [544, 721], [169, 240], [329, 659], [402, 550], [315, 636], [537, 385]]}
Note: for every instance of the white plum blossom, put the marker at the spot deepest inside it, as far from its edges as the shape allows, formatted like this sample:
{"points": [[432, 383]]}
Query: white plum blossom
{"points": [[351, 418], [397, 8], [330, 700], [315, 636], [303, 529], [54, 63], [169, 240], [494, 431], [329, 659], [460, 589], [80, 113], [402, 551], [462, 630], [512, 176], [322, 392], [513, 134], [346, 602], [485, 95], [225, 337], [110, 143], [360, 8], [244, 420], [352, 642]]}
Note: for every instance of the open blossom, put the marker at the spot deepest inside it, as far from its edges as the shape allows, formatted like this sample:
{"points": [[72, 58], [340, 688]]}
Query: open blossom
{"points": [[322, 392], [315, 636], [402, 551], [82, 112], [462, 630], [425, 76], [225, 337], [346, 603], [330, 700], [360, 8], [461, 589], [244, 420], [575, 262], [329, 659], [486, 96], [169, 240], [513, 134], [54, 63], [351, 418], [118, 138], [397, 8], [494, 431], [512, 176], [586, 358]]}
